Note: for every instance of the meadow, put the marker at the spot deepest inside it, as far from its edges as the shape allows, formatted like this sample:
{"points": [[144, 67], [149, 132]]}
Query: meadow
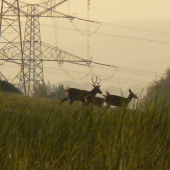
{"points": [[37, 134]]}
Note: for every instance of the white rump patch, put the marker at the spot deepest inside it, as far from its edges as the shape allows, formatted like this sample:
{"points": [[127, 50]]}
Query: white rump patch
{"points": [[67, 95]]}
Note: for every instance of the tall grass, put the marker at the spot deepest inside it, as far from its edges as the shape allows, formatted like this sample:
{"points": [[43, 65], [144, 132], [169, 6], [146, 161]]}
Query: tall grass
{"points": [[37, 134]]}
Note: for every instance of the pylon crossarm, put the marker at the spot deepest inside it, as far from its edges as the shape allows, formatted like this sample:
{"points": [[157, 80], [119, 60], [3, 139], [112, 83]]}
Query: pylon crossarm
{"points": [[58, 14], [52, 7], [10, 53], [24, 4], [56, 54], [78, 63], [9, 60], [43, 13]]}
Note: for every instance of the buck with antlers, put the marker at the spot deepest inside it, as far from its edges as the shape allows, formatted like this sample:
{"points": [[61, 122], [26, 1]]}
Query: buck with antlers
{"points": [[77, 94], [118, 100]]}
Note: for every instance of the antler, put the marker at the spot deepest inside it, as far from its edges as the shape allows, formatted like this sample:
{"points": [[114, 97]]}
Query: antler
{"points": [[96, 83], [93, 82], [108, 94]]}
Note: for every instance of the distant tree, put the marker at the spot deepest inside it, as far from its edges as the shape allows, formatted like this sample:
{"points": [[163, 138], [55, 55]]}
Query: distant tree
{"points": [[41, 90], [50, 91], [160, 89], [60, 91], [57, 92]]}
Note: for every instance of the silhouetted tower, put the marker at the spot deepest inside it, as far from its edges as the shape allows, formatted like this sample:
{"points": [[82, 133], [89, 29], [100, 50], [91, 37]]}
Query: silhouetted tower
{"points": [[11, 44], [30, 53], [33, 65]]}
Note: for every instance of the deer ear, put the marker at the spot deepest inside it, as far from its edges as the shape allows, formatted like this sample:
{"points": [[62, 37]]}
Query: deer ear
{"points": [[107, 92], [130, 91]]}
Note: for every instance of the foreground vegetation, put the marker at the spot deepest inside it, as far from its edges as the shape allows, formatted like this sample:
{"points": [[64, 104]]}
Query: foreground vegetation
{"points": [[37, 134]]}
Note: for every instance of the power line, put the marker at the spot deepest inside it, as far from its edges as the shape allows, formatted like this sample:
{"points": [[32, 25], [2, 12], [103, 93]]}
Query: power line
{"points": [[83, 32], [111, 68], [132, 71], [122, 36], [129, 12], [136, 29], [147, 3], [134, 38], [110, 78]]}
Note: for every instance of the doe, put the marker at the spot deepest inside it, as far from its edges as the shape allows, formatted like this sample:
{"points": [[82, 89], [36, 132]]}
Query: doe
{"points": [[118, 100]]}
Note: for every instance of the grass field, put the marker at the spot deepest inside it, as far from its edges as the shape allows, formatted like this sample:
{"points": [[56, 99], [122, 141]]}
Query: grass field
{"points": [[37, 134]]}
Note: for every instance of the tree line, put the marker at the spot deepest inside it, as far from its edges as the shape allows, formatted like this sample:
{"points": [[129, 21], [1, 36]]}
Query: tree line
{"points": [[159, 89], [50, 91]]}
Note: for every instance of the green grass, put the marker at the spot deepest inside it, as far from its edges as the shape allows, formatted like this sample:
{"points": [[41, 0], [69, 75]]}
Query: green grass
{"points": [[37, 134]]}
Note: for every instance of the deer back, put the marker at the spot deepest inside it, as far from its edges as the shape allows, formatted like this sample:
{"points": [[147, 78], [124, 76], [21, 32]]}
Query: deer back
{"points": [[76, 94], [115, 100]]}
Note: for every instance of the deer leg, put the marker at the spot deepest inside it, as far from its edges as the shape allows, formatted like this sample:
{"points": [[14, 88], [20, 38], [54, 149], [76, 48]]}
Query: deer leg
{"points": [[63, 100], [84, 103], [71, 101], [99, 105], [108, 105]]}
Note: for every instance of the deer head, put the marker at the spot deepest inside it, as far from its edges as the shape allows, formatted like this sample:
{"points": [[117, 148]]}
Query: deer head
{"points": [[107, 94], [132, 95], [96, 85]]}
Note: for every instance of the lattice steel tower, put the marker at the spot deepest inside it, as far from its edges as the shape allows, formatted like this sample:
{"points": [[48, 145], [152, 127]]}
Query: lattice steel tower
{"points": [[11, 49], [33, 65], [30, 53]]}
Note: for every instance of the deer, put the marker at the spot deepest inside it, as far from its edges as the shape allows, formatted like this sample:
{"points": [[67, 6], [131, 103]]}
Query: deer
{"points": [[79, 95], [118, 100], [98, 101]]}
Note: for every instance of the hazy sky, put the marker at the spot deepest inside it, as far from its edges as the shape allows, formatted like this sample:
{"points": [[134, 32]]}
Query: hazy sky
{"points": [[137, 38], [111, 10]]}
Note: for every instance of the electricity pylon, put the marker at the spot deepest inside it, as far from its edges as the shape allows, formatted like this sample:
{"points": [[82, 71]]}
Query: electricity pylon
{"points": [[30, 53], [11, 49]]}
